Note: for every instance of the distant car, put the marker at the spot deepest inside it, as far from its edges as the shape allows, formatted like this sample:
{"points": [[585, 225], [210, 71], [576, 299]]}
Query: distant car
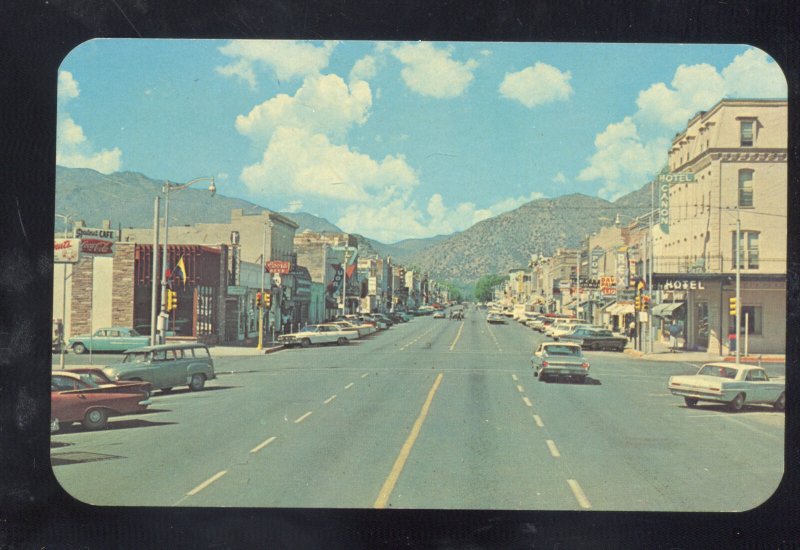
{"points": [[318, 334], [77, 397], [595, 339], [553, 360], [731, 384], [166, 366], [495, 319], [108, 339], [563, 326], [439, 315]]}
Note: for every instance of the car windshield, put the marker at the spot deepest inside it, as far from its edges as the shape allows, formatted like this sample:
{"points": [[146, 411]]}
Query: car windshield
{"points": [[89, 381], [140, 357], [310, 328], [718, 371], [573, 351]]}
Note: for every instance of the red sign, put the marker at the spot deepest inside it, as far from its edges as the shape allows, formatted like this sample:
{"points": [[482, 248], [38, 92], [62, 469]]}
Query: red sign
{"points": [[609, 291], [278, 266], [97, 247]]}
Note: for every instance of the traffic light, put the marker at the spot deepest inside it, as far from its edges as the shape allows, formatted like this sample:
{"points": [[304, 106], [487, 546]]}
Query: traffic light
{"points": [[258, 299], [172, 300], [645, 303], [267, 300], [637, 304], [732, 305]]}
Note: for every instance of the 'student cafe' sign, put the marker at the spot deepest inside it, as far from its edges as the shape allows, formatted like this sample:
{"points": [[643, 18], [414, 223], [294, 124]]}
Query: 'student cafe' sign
{"points": [[664, 181], [683, 284], [96, 242]]}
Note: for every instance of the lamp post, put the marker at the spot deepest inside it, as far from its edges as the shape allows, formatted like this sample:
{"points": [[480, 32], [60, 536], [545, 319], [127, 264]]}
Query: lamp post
{"points": [[166, 191], [261, 312], [344, 281], [63, 344]]}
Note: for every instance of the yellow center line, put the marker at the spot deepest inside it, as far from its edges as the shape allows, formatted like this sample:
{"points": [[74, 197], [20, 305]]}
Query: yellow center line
{"points": [[365, 375], [578, 492], [538, 420], [348, 386], [514, 377], [303, 417], [328, 400], [460, 328], [394, 475], [527, 401], [520, 389], [264, 444], [553, 449], [207, 482]]}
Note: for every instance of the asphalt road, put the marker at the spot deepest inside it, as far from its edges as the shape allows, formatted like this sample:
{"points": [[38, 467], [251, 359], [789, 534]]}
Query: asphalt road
{"points": [[432, 413]]}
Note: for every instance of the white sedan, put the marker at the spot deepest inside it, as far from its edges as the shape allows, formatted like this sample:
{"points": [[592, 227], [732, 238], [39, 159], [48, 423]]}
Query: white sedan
{"points": [[731, 384], [362, 328], [318, 334]]}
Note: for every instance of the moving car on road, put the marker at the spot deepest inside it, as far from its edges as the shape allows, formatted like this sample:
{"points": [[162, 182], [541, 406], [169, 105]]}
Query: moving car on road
{"points": [[495, 319], [318, 334], [439, 315], [78, 398], [595, 339], [166, 366], [553, 360], [108, 339], [731, 384]]}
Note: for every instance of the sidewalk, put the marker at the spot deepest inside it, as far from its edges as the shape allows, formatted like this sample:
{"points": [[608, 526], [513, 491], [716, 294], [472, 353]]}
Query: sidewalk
{"points": [[235, 351], [661, 352]]}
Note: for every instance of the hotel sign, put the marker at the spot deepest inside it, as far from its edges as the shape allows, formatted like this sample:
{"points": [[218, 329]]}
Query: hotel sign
{"points": [[664, 181]]}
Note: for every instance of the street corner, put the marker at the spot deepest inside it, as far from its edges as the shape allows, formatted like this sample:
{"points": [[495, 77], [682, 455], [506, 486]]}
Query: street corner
{"points": [[633, 352], [273, 349]]}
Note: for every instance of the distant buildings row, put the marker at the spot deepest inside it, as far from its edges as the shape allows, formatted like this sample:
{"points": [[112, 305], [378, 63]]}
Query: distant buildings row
{"points": [[218, 271], [728, 166]]}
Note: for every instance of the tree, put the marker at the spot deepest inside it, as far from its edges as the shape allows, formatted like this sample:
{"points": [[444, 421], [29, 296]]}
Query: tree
{"points": [[484, 288]]}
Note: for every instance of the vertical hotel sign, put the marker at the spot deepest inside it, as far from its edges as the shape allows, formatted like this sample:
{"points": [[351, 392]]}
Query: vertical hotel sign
{"points": [[664, 181]]}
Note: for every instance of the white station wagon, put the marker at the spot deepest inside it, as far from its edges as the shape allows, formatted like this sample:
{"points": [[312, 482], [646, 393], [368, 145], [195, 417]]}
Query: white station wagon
{"points": [[731, 384]]}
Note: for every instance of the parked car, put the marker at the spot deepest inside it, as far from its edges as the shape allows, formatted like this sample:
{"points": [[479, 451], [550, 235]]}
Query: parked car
{"points": [[166, 366], [318, 334], [77, 397], [363, 329], [108, 339], [553, 360], [563, 326], [731, 384], [595, 339], [99, 377], [439, 315], [495, 319]]}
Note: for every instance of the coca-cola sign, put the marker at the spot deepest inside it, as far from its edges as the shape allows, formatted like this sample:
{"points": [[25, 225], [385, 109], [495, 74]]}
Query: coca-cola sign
{"points": [[97, 247], [66, 251]]}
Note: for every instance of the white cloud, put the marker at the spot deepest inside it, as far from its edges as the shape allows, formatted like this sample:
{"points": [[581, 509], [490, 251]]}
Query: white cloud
{"points": [[294, 206], [624, 160], [306, 164], [560, 178], [537, 85], [67, 86], [364, 69], [432, 72], [288, 58], [323, 104]]}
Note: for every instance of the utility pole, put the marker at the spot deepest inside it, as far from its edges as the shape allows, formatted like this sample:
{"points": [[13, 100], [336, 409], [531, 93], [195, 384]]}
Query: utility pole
{"points": [[344, 281], [261, 302], [738, 282], [154, 273]]}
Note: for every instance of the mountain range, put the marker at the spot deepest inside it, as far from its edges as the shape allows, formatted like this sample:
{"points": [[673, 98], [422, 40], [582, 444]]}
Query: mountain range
{"points": [[494, 245]]}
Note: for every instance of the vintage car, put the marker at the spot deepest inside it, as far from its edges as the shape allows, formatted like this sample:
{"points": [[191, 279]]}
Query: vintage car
{"points": [[553, 360], [166, 366], [731, 384], [97, 374], [595, 339], [563, 326], [318, 334], [495, 319], [363, 329], [77, 397], [108, 339], [439, 315]]}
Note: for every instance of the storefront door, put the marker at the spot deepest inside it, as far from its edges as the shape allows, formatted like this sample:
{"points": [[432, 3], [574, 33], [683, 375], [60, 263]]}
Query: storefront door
{"points": [[701, 325]]}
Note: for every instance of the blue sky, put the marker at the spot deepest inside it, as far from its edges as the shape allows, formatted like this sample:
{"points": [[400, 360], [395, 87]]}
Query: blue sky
{"points": [[394, 140]]}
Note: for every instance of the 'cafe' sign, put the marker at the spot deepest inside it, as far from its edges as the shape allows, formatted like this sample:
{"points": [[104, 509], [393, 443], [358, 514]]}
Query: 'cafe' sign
{"points": [[96, 242]]}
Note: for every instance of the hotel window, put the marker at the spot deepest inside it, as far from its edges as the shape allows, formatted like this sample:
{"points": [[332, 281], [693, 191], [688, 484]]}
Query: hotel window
{"points": [[752, 321], [746, 188], [746, 133], [748, 249]]}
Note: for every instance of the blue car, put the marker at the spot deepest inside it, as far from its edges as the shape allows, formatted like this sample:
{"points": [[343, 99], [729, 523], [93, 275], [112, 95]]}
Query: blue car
{"points": [[108, 339]]}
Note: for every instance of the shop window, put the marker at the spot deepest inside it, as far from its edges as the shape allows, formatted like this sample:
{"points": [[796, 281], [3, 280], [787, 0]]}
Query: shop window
{"points": [[748, 250], [752, 321], [745, 188], [746, 133]]}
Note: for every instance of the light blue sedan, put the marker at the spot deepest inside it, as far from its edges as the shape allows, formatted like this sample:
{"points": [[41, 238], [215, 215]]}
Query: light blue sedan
{"points": [[108, 339]]}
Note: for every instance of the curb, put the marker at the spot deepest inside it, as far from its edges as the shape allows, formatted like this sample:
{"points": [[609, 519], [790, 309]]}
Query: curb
{"points": [[273, 350], [754, 359]]}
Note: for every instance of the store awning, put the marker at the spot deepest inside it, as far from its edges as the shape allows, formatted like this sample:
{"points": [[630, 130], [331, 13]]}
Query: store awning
{"points": [[666, 310], [619, 309], [609, 308]]}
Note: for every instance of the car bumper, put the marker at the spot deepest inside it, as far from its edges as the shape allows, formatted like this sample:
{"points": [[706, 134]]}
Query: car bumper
{"points": [[564, 371], [703, 395]]}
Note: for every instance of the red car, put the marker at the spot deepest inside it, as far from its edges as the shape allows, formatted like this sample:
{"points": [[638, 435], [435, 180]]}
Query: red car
{"points": [[78, 398], [97, 374]]}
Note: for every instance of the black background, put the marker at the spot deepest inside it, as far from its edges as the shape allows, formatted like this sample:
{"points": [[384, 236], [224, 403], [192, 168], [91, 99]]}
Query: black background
{"points": [[37, 35]]}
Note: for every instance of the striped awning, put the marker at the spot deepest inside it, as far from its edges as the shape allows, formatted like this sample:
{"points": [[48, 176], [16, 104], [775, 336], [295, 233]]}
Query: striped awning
{"points": [[666, 310]]}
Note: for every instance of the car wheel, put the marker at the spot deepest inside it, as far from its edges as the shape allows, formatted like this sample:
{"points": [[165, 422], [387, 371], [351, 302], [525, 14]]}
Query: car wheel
{"points": [[780, 404], [690, 401], [79, 348], [95, 419], [305, 342], [737, 403], [197, 383], [342, 341]]}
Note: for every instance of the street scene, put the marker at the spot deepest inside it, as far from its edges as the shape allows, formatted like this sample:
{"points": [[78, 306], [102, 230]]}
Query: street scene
{"points": [[420, 276]]}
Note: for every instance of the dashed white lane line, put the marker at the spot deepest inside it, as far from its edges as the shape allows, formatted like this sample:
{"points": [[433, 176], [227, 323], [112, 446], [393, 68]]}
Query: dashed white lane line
{"points": [[579, 494], [514, 377], [365, 375], [538, 420], [348, 386], [520, 389], [527, 401], [303, 417], [553, 449], [206, 483], [262, 445], [328, 400]]}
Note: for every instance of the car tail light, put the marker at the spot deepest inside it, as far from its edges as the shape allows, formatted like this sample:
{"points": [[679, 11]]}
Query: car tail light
{"points": [[585, 365], [545, 363]]}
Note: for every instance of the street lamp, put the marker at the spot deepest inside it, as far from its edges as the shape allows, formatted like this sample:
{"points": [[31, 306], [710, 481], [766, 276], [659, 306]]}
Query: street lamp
{"points": [[63, 344], [166, 191], [269, 225]]}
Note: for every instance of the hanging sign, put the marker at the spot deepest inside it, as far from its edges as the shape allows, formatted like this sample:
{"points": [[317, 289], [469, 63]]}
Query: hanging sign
{"points": [[66, 251], [278, 266]]}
